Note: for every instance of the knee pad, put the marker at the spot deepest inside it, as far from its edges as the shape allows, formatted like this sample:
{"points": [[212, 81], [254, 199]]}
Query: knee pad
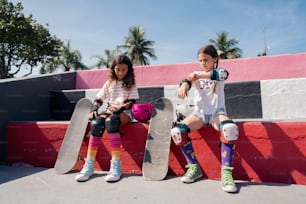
{"points": [[179, 134], [98, 127], [229, 131], [112, 123]]}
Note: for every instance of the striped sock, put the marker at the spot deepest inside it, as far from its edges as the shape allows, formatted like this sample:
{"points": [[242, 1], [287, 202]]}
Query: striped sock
{"points": [[115, 143], [94, 143]]}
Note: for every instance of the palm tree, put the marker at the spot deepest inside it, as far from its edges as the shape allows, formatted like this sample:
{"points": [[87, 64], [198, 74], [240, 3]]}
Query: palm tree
{"points": [[138, 48], [71, 59], [68, 60], [226, 47], [105, 61]]}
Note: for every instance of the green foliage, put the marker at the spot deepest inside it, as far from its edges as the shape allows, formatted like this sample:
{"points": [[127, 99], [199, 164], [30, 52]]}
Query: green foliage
{"points": [[225, 46], [106, 61], [24, 43], [67, 60], [139, 49], [262, 54]]}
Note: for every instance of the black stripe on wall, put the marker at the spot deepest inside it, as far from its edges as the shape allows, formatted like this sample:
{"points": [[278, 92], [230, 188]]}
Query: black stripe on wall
{"points": [[243, 100], [63, 103], [150, 94]]}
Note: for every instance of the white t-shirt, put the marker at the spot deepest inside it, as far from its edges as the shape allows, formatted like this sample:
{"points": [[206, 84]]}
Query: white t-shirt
{"points": [[209, 97], [115, 94]]}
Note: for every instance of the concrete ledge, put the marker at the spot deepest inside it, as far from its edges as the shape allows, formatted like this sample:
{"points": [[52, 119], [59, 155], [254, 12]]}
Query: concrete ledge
{"points": [[266, 151]]}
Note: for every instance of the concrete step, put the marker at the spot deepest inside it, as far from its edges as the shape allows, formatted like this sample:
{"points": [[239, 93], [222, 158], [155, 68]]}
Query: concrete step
{"points": [[33, 185], [266, 151]]}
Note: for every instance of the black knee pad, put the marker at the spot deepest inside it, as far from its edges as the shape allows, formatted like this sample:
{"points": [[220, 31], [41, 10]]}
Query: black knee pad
{"points": [[112, 123], [98, 127]]}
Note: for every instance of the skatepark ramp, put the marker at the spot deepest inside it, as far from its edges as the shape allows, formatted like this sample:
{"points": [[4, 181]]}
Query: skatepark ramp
{"points": [[264, 95]]}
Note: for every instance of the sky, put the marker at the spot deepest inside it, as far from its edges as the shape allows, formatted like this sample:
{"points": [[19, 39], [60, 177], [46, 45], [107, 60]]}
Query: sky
{"points": [[178, 27]]}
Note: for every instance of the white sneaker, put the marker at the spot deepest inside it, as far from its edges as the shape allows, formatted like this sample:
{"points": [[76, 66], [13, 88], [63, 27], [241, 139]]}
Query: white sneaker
{"points": [[227, 181], [86, 171], [193, 173], [114, 173]]}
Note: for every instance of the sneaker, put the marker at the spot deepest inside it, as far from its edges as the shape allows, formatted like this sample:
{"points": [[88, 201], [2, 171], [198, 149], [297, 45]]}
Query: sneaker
{"points": [[114, 173], [86, 171], [193, 173], [228, 184]]}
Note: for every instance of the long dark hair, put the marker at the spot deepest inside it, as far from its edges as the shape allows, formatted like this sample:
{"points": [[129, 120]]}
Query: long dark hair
{"points": [[210, 50], [129, 79]]}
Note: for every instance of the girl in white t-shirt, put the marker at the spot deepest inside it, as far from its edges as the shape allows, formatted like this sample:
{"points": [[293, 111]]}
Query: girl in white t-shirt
{"points": [[121, 92], [209, 109]]}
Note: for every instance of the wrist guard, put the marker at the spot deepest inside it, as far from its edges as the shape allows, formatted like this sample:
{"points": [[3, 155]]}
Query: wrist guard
{"points": [[97, 104], [131, 102], [187, 81]]}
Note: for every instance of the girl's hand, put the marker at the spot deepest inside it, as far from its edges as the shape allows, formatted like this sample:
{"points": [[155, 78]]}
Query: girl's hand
{"points": [[193, 76], [112, 109], [126, 106], [182, 92], [93, 115]]}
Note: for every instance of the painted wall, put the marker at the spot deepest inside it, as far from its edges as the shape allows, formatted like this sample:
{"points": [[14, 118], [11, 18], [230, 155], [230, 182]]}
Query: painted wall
{"points": [[244, 69], [28, 99], [265, 151], [284, 99]]}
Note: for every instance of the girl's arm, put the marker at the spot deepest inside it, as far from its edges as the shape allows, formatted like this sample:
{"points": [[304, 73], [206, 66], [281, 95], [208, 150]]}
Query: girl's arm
{"points": [[221, 96], [218, 74], [185, 85]]}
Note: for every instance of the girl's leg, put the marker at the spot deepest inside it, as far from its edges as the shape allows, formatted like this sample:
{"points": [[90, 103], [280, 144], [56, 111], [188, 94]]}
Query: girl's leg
{"points": [[193, 123], [227, 152], [115, 138], [93, 146], [97, 130], [115, 143], [227, 147], [189, 124]]}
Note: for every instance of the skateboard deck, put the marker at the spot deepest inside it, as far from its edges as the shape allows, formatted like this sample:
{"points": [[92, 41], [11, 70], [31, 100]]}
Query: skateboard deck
{"points": [[156, 156], [71, 144]]}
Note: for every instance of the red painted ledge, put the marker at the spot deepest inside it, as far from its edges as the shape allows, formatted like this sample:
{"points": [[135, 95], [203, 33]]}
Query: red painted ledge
{"points": [[265, 152]]}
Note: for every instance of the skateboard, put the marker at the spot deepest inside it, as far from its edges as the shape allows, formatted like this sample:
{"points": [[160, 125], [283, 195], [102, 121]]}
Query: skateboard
{"points": [[156, 156], [71, 144]]}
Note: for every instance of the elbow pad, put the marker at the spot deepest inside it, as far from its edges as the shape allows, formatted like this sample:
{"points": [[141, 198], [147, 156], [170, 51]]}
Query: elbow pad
{"points": [[219, 74]]}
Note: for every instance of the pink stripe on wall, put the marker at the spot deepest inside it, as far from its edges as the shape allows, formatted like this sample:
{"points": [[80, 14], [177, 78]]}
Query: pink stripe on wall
{"points": [[91, 79], [268, 67], [243, 69]]}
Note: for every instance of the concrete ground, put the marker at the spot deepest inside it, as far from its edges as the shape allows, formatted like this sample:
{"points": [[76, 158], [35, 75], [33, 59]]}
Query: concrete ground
{"points": [[20, 184]]}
